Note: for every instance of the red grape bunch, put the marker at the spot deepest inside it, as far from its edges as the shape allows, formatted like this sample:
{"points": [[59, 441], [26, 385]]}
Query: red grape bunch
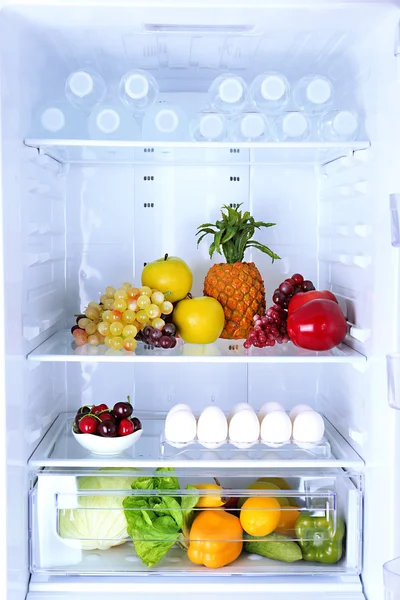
{"points": [[271, 328]]}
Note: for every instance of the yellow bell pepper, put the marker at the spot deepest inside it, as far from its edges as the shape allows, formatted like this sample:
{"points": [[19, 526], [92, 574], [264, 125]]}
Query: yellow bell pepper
{"points": [[215, 539]]}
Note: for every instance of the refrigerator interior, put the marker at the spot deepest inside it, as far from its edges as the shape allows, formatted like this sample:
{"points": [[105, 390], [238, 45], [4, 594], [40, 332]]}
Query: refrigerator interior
{"points": [[77, 218]]}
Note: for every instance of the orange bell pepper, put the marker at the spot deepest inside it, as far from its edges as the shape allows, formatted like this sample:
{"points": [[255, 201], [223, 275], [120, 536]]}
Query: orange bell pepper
{"points": [[215, 539]]}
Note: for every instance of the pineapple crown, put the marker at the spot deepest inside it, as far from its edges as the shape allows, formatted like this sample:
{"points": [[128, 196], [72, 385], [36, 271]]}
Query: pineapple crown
{"points": [[234, 234]]}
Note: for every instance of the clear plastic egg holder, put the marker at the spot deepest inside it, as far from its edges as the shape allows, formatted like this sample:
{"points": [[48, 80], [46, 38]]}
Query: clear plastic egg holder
{"points": [[290, 449]]}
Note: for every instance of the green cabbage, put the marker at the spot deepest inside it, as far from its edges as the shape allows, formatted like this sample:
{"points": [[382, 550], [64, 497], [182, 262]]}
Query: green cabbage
{"points": [[99, 523]]}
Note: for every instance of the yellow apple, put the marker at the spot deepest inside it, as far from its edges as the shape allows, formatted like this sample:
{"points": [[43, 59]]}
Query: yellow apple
{"points": [[199, 320], [170, 275]]}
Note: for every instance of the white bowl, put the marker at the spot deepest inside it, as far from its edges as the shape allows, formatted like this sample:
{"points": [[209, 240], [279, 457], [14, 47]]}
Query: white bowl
{"points": [[108, 446]]}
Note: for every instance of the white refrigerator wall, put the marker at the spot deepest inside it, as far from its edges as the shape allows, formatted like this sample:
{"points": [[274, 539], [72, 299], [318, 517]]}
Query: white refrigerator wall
{"points": [[68, 234]]}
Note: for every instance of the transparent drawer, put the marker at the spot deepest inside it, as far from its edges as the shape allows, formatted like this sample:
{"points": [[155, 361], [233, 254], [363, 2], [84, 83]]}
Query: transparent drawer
{"points": [[193, 522]]}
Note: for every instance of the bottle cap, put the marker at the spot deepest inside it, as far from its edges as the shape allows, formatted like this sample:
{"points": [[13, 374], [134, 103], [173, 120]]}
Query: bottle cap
{"points": [[273, 87], [108, 120], [345, 123], [211, 126], [137, 86], [230, 90], [81, 83], [166, 120], [319, 91], [294, 124], [53, 119], [252, 126]]}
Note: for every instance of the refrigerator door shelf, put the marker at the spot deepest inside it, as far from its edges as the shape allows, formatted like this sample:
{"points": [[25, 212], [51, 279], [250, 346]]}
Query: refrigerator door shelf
{"points": [[59, 449]]}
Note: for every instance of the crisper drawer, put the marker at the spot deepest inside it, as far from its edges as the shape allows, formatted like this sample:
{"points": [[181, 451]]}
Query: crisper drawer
{"points": [[191, 522]]}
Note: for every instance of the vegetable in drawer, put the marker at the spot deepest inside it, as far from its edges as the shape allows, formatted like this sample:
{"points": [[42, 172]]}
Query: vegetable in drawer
{"points": [[319, 539]]}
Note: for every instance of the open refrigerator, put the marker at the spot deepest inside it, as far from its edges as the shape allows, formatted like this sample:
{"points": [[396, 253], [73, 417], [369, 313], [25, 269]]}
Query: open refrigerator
{"points": [[79, 214]]}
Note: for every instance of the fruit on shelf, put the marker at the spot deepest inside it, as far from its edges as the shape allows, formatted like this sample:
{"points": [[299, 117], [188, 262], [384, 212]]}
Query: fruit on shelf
{"points": [[317, 325], [271, 328], [118, 320], [304, 297], [106, 422], [199, 320], [170, 275], [214, 500], [215, 539], [237, 285], [260, 515]]}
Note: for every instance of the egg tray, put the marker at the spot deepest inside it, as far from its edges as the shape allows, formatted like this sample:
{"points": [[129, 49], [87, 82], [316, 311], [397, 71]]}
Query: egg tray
{"points": [[258, 449]]}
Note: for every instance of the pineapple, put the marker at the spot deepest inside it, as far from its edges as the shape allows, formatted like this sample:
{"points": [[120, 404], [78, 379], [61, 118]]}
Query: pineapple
{"points": [[237, 285]]}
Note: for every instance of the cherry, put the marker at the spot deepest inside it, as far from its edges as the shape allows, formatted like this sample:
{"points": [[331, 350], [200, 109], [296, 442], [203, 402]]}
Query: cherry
{"points": [[82, 411], [123, 410], [88, 424], [307, 286], [99, 408], [107, 428], [104, 416], [286, 288], [136, 423], [125, 427]]}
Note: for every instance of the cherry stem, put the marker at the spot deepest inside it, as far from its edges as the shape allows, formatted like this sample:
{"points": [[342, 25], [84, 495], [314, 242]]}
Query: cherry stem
{"points": [[166, 257], [90, 415], [129, 399]]}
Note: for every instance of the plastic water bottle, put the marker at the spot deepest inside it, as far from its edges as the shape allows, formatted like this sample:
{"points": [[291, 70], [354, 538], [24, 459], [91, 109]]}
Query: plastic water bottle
{"points": [[58, 121], [292, 126], [165, 122], [228, 94], [338, 125], [85, 89], [208, 126], [313, 94], [138, 90], [270, 92], [250, 127], [112, 122]]}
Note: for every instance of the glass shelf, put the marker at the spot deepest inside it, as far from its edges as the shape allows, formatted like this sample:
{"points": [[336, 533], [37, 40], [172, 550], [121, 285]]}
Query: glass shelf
{"points": [[80, 151], [59, 449], [60, 347]]}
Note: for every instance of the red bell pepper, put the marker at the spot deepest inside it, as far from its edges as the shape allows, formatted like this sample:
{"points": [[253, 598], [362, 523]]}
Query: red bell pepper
{"points": [[317, 325], [303, 297]]}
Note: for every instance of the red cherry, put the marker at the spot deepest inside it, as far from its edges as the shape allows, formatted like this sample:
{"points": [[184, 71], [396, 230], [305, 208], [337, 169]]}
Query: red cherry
{"points": [[297, 278], [104, 416], [99, 408], [88, 424], [125, 427]]}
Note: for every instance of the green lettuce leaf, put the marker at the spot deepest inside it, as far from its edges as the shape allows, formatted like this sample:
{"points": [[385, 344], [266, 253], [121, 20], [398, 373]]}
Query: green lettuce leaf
{"points": [[156, 522]]}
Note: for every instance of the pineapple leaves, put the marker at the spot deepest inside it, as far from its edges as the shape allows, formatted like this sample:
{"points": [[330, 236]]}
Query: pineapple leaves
{"points": [[233, 234]]}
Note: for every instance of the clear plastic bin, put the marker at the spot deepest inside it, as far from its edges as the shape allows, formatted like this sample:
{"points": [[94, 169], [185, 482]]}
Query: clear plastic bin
{"points": [[391, 579], [110, 522]]}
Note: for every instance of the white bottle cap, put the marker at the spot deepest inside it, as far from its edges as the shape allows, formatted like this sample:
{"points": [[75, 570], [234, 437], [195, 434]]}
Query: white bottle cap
{"points": [[108, 120], [319, 91], [230, 90], [211, 126], [252, 126], [273, 87], [166, 120], [345, 123], [294, 124], [81, 83], [53, 119], [137, 86]]}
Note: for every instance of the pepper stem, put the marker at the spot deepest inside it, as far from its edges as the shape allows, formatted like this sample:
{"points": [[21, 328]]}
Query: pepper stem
{"points": [[166, 257]]}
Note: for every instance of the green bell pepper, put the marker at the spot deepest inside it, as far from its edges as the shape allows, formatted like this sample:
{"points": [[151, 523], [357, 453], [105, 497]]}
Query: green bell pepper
{"points": [[318, 539]]}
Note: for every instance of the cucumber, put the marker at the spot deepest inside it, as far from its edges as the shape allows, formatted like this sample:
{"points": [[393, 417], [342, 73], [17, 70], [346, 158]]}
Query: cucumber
{"points": [[275, 546]]}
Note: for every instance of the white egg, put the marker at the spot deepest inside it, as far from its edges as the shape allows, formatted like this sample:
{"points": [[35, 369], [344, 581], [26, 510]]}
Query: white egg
{"points": [[267, 408], [212, 425], [308, 427], [180, 427], [238, 408], [299, 408], [177, 407], [276, 427], [244, 427]]}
